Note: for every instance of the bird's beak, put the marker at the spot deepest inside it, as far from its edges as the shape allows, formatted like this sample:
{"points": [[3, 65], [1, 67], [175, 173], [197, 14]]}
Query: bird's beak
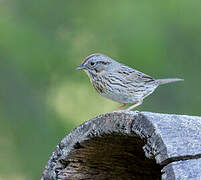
{"points": [[80, 67]]}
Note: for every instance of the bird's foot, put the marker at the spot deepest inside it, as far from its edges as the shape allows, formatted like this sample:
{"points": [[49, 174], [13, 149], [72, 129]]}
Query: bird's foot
{"points": [[123, 105]]}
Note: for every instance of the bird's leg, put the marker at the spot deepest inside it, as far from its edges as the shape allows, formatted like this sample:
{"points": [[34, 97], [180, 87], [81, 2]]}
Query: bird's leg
{"points": [[123, 105], [134, 105]]}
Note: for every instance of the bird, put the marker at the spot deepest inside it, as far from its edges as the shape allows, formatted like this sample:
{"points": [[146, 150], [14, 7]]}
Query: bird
{"points": [[119, 82]]}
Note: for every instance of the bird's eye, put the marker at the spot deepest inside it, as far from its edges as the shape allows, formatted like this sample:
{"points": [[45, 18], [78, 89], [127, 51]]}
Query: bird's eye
{"points": [[92, 63]]}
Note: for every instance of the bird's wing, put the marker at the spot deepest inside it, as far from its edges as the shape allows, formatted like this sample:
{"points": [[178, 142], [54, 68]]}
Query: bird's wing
{"points": [[134, 75], [142, 77]]}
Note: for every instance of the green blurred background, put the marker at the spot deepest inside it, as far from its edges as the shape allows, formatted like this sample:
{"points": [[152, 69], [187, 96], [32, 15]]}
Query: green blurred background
{"points": [[42, 97]]}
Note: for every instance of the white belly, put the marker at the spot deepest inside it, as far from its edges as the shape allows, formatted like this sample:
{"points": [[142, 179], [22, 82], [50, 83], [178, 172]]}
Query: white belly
{"points": [[119, 97]]}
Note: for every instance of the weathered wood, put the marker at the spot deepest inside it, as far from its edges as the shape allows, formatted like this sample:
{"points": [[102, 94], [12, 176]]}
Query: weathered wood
{"points": [[129, 145]]}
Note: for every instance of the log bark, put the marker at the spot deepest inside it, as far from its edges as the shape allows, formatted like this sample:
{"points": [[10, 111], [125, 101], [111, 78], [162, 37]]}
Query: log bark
{"points": [[129, 145]]}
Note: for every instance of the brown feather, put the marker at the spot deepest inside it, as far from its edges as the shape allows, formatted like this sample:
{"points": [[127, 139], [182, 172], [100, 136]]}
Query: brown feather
{"points": [[90, 56]]}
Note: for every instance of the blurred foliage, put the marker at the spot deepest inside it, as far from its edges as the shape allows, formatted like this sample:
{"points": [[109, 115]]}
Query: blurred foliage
{"points": [[42, 97]]}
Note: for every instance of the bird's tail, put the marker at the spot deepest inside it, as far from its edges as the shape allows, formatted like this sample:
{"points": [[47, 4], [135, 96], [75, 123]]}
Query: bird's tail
{"points": [[165, 81]]}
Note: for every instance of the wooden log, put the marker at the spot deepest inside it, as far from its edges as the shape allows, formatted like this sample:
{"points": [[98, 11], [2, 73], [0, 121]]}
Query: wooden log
{"points": [[129, 145]]}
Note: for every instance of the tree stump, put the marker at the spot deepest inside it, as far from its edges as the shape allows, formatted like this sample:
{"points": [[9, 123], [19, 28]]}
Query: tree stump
{"points": [[129, 145]]}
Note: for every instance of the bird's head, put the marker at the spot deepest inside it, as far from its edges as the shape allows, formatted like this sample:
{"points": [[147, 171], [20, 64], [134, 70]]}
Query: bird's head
{"points": [[96, 64]]}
